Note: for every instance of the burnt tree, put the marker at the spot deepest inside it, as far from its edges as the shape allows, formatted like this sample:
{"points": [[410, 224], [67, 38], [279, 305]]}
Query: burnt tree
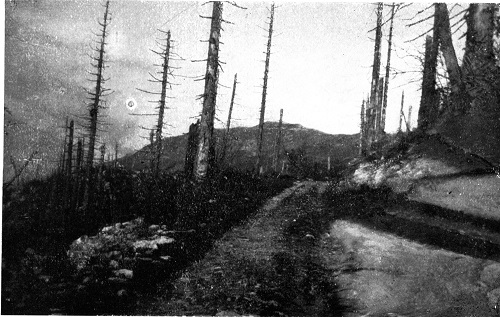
{"points": [[260, 138], [225, 141], [372, 109], [205, 154], [278, 144], [387, 72]]}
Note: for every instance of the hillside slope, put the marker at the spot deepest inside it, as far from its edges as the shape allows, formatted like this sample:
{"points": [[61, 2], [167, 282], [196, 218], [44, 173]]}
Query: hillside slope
{"points": [[318, 146]]}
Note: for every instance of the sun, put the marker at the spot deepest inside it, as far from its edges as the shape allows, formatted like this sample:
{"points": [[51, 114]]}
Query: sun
{"points": [[131, 104]]}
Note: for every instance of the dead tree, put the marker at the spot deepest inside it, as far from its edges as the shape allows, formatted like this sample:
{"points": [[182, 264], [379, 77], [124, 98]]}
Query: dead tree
{"points": [[442, 25], [408, 122], [95, 105], [151, 150], [116, 154], [191, 148], [260, 138], [225, 142], [480, 74], [401, 113], [96, 95], [69, 160], [161, 109], [362, 141], [20, 171], [387, 72], [164, 54], [278, 145], [429, 101], [372, 105], [378, 108], [205, 155]]}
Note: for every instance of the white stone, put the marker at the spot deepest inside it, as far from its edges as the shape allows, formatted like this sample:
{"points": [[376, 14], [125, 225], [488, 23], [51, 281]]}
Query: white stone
{"points": [[491, 275], [128, 274]]}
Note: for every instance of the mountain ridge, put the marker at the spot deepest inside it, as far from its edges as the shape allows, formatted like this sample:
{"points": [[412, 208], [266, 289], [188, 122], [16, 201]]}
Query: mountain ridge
{"points": [[316, 145]]}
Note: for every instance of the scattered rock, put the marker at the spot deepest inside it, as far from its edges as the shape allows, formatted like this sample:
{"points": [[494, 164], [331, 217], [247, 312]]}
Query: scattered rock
{"points": [[128, 274], [117, 280], [154, 227], [494, 299], [113, 264], [45, 278], [491, 275], [227, 313], [108, 229], [122, 293]]}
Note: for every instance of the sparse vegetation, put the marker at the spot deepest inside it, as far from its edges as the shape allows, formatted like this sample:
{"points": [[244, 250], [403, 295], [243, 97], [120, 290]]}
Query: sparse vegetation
{"points": [[33, 228]]}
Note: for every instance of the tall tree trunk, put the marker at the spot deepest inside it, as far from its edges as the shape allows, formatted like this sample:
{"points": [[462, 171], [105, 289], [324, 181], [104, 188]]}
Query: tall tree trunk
{"points": [[362, 136], [97, 94], [429, 101], [474, 121], [380, 101], [401, 111], [161, 110], [191, 148], [372, 107], [116, 154], [94, 107], [387, 72], [442, 25], [205, 153], [225, 142], [152, 150], [260, 139], [408, 122], [277, 146], [69, 163]]}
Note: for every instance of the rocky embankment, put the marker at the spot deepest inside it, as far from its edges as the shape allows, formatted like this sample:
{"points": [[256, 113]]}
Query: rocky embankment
{"points": [[449, 192], [125, 256]]}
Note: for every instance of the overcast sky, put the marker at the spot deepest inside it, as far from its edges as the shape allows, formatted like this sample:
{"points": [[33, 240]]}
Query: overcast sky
{"points": [[320, 66]]}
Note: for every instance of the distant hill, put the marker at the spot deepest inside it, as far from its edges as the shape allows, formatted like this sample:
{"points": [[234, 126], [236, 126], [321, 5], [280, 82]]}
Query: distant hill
{"points": [[317, 146]]}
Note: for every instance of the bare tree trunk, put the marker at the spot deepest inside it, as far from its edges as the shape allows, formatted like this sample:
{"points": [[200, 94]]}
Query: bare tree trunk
{"points": [[97, 94], [362, 136], [408, 123], [442, 24], [69, 163], [387, 72], [116, 154], [372, 107], [380, 101], [401, 111], [191, 148], [94, 107], [481, 74], [161, 111], [427, 112], [151, 150], [225, 142], [277, 148], [205, 153], [260, 139], [75, 197]]}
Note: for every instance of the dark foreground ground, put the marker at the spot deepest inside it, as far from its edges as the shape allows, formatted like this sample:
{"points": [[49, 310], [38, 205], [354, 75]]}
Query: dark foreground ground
{"points": [[316, 250]]}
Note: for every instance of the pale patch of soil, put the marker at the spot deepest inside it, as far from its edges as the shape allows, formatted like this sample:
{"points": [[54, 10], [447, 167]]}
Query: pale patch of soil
{"points": [[404, 278]]}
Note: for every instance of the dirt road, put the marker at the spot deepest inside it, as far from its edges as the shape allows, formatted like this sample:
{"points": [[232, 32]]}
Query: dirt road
{"points": [[301, 257]]}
